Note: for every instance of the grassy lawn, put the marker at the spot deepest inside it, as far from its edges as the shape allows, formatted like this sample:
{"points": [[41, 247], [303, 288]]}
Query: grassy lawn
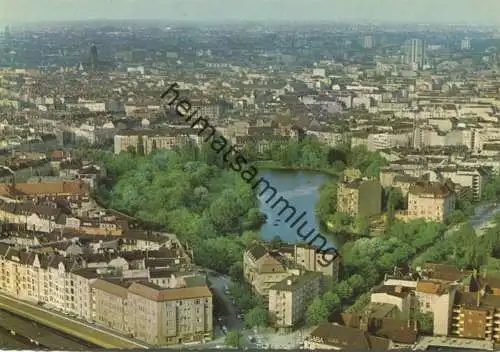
{"points": [[67, 326]]}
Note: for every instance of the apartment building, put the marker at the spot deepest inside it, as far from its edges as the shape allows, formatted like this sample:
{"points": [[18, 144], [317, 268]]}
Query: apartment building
{"points": [[108, 301], [476, 313], [432, 201], [159, 316], [148, 140], [327, 136], [473, 178], [360, 197], [289, 299], [311, 260], [263, 268], [436, 298], [71, 191], [382, 141]]}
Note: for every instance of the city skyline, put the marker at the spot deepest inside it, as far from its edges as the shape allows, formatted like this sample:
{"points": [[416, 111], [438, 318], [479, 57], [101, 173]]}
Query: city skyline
{"points": [[382, 11]]}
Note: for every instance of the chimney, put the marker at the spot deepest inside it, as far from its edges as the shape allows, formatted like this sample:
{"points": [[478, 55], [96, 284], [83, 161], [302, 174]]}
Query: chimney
{"points": [[289, 282], [398, 289]]}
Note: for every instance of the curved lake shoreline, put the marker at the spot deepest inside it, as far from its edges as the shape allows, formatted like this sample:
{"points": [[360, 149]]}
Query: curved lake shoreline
{"points": [[301, 189]]}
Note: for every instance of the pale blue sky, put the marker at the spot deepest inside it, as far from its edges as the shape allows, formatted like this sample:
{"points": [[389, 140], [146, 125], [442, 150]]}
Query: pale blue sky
{"points": [[482, 12]]}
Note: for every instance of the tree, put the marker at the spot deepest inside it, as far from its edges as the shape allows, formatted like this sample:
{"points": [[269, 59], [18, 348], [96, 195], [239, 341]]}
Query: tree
{"points": [[362, 225], [344, 290], [317, 312], [332, 302], [140, 146], [256, 317], [327, 203], [357, 283], [276, 242], [234, 339], [341, 221]]}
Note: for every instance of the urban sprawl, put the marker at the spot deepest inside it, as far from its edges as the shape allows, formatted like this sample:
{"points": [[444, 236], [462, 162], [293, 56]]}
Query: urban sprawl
{"points": [[122, 226]]}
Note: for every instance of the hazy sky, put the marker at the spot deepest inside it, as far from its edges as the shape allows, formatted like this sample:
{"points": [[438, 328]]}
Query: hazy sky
{"points": [[482, 12]]}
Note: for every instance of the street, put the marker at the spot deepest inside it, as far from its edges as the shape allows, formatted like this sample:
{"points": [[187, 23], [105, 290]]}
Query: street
{"points": [[252, 338]]}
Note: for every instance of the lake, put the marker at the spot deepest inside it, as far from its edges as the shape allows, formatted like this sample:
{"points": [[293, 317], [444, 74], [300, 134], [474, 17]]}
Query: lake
{"points": [[301, 189]]}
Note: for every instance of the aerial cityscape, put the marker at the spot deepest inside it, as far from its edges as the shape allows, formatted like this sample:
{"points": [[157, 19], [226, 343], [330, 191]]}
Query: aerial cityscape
{"points": [[326, 178]]}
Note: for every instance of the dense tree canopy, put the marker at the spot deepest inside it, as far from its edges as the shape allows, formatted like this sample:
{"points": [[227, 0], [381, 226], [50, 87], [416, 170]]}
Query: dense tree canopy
{"points": [[317, 312], [256, 317], [185, 192]]}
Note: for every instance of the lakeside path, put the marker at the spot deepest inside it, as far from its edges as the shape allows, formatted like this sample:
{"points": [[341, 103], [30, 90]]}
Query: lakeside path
{"points": [[85, 331]]}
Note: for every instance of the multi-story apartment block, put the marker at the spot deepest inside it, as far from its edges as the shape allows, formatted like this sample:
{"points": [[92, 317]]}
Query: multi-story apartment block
{"points": [[381, 141], [327, 136], [159, 316], [475, 178], [309, 258], [263, 268], [360, 197], [149, 140], [432, 201], [289, 299], [476, 310], [72, 191], [108, 302], [436, 298]]}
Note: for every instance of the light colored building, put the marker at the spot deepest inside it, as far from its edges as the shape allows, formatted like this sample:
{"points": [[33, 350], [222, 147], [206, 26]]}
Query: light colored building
{"points": [[432, 201], [108, 302], [289, 299], [415, 52], [436, 298], [159, 316], [475, 179], [368, 42], [263, 268], [127, 141]]}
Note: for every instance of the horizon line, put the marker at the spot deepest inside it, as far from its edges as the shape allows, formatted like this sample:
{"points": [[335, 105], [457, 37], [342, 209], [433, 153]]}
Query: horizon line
{"points": [[231, 21]]}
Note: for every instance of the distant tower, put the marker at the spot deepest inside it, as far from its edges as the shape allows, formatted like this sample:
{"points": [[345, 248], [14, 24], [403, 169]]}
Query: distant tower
{"points": [[93, 56], [415, 52], [6, 33], [368, 42], [465, 44]]}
